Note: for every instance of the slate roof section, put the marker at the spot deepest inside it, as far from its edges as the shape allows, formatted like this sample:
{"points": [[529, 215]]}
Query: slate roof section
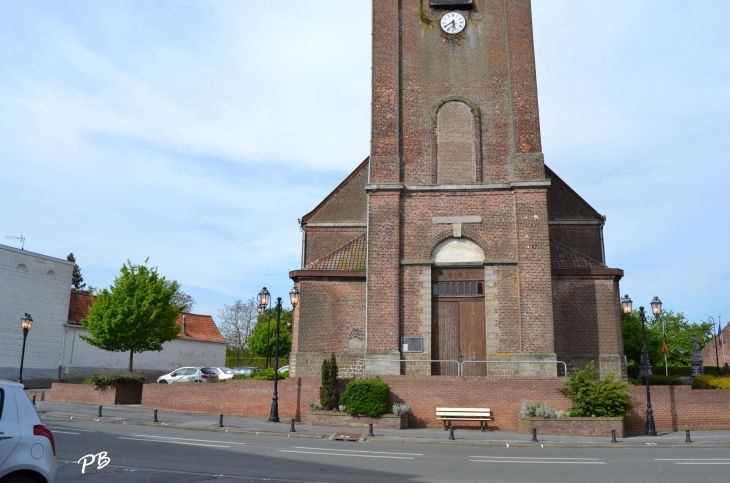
{"points": [[350, 257], [564, 257], [200, 327]]}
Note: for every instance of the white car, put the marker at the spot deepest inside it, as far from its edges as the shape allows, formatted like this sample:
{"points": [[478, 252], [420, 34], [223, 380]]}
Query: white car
{"points": [[190, 374], [27, 447], [224, 373], [283, 369]]}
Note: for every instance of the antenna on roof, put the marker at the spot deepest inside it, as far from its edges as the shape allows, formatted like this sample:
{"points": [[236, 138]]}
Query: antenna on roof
{"points": [[21, 238]]}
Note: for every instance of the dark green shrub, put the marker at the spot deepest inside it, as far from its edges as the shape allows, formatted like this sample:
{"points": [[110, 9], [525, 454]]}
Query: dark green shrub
{"points": [[329, 391], [366, 396], [104, 380], [263, 375], [656, 380], [592, 396]]}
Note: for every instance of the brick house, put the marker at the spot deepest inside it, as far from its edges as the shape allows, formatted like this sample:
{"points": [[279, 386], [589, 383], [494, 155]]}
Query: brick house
{"points": [[200, 344], [712, 352], [453, 241]]}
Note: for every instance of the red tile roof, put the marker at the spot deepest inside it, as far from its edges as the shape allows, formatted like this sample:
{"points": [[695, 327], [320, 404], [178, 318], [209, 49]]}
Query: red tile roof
{"points": [[201, 327], [562, 257], [349, 257]]}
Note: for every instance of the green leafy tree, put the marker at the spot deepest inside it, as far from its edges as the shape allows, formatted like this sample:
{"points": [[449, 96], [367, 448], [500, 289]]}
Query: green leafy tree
{"points": [[135, 314], [329, 391], [262, 341], [77, 280], [632, 340], [592, 396]]}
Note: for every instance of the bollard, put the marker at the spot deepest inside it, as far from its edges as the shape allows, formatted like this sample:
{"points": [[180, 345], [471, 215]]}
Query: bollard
{"points": [[370, 430], [292, 426], [451, 433], [220, 421], [534, 435], [687, 439], [33, 399], [154, 420], [99, 410], [613, 436]]}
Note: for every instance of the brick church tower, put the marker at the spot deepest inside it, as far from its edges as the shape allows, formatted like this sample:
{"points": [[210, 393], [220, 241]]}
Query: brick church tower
{"points": [[453, 242]]}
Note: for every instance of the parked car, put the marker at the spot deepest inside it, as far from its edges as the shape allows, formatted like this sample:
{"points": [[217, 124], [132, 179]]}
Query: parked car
{"points": [[245, 370], [190, 374], [27, 447], [283, 369], [224, 373]]}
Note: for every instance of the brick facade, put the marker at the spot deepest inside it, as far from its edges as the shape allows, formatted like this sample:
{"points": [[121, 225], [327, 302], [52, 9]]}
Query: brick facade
{"points": [[456, 154]]}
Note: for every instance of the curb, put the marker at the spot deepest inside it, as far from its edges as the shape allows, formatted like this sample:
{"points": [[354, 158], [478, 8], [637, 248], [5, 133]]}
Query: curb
{"points": [[391, 440]]}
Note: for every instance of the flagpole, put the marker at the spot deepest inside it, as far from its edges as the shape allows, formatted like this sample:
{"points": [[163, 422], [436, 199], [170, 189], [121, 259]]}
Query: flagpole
{"points": [[719, 329], [664, 330]]}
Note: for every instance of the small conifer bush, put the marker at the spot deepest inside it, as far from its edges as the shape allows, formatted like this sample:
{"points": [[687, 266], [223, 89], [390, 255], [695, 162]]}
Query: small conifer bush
{"points": [[329, 392]]}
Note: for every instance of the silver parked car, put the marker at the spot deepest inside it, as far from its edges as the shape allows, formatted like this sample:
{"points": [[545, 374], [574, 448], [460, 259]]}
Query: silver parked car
{"points": [[224, 373], [27, 447], [190, 374], [245, 370]]}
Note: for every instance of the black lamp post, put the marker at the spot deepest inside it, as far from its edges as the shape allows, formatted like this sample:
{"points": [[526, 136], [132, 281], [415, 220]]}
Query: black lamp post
{"points": [[264, 299], [656, 305], [25, 323]]}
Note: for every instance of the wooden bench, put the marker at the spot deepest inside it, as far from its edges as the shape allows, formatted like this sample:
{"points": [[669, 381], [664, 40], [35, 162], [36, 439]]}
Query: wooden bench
{"points": [[483, 415]]}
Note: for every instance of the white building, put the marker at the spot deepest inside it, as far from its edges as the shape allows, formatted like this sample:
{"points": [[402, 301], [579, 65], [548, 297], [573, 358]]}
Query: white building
{"points": [[41, 286]]}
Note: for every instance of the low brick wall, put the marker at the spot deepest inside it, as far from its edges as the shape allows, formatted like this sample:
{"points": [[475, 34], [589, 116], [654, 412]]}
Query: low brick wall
{"points": [[598, 427], [344, 420], [680, 407], [235, 398], [81, 394]]}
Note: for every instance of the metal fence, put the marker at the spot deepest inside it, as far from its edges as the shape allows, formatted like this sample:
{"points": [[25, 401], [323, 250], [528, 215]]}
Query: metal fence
{"points": [[394, 365]]}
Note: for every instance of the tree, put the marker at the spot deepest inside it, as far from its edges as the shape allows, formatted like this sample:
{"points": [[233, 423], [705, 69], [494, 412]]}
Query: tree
{"points": [[136, 314], [237, 322], [180, 298], [263, 336], [329, 391], [632, 340], [76, 279]]}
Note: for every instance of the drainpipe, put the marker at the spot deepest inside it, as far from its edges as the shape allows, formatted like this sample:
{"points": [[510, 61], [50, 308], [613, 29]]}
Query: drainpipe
{"points": [[603, 249]]}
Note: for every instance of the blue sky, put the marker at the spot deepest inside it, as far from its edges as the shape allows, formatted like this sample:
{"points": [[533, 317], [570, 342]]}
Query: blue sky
{"points": [[196, 133]]}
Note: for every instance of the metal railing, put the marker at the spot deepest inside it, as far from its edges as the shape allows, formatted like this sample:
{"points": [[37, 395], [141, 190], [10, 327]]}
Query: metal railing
{"points": [[461, 372], [459, 365]]}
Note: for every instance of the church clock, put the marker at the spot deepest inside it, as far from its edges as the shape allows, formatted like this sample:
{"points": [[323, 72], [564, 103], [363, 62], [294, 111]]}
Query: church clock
{"points": [[453, 22]]}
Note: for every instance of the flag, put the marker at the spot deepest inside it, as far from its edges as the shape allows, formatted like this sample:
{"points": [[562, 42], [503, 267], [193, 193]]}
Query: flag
{"points": [[719, 334], [664, 349]]}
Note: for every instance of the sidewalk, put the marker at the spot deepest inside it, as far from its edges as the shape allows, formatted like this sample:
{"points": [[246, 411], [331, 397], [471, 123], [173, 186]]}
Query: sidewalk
{"points": [[137, 416]]}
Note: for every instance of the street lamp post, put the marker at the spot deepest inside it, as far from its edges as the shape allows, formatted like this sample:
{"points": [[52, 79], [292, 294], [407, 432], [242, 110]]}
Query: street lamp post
{"points": [[656, 309], [656, 304], [264, 299], [25, 323]]}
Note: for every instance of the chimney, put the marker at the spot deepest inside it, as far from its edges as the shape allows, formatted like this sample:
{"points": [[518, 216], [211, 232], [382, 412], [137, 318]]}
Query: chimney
{"points": [[185, 326]]}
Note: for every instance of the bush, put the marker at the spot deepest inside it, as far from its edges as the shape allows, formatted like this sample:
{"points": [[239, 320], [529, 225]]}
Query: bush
{"points": [[540, 411], [591, 396], [329, 392], [658, 381], [104, 380], [367, 396], [401, 409], [263, 375], [711, 382]]}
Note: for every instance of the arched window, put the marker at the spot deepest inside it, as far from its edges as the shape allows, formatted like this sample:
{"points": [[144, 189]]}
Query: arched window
{"points": [[455, 144], [22, 268]]}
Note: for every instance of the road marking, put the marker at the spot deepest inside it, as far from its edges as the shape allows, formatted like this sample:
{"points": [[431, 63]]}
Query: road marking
{"points": [[347, 454], [63, 432], [184, 439], [173, 442], [72, 429], [542, 462], [705, 463], [692, 459], [356, 451], [529, 458]]}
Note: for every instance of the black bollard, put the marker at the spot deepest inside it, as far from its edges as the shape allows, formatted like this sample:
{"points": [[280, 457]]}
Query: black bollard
{"points": [[220, 421], [154, 420], [687, 439], [99, 410], [370, 430], [33, 399], [292, 426], [613, 436], [451, 433], [534, 435]]}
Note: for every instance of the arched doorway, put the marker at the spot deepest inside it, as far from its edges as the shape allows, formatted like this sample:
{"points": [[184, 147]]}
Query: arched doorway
{"points": [[458, 330]]}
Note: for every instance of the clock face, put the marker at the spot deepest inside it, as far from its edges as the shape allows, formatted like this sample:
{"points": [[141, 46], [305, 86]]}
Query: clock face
{"points": [[453, 22]]}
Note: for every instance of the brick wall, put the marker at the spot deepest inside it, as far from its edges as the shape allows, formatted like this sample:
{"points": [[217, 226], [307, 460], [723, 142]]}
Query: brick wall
{"points": [[585, 239], [680, 407], [596, 427], [81, 394], [588, 322], [323, 241]]}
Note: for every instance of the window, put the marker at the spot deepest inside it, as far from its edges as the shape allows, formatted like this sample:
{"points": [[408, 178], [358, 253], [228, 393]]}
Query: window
{"points": [[457, 289]]}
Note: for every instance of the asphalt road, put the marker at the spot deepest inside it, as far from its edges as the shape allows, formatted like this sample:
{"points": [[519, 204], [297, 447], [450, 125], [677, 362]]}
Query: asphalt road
{"points": [[160, 455]]}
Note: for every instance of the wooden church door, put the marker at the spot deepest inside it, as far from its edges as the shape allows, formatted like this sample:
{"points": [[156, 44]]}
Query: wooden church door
{"points": [[458, 328]]}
